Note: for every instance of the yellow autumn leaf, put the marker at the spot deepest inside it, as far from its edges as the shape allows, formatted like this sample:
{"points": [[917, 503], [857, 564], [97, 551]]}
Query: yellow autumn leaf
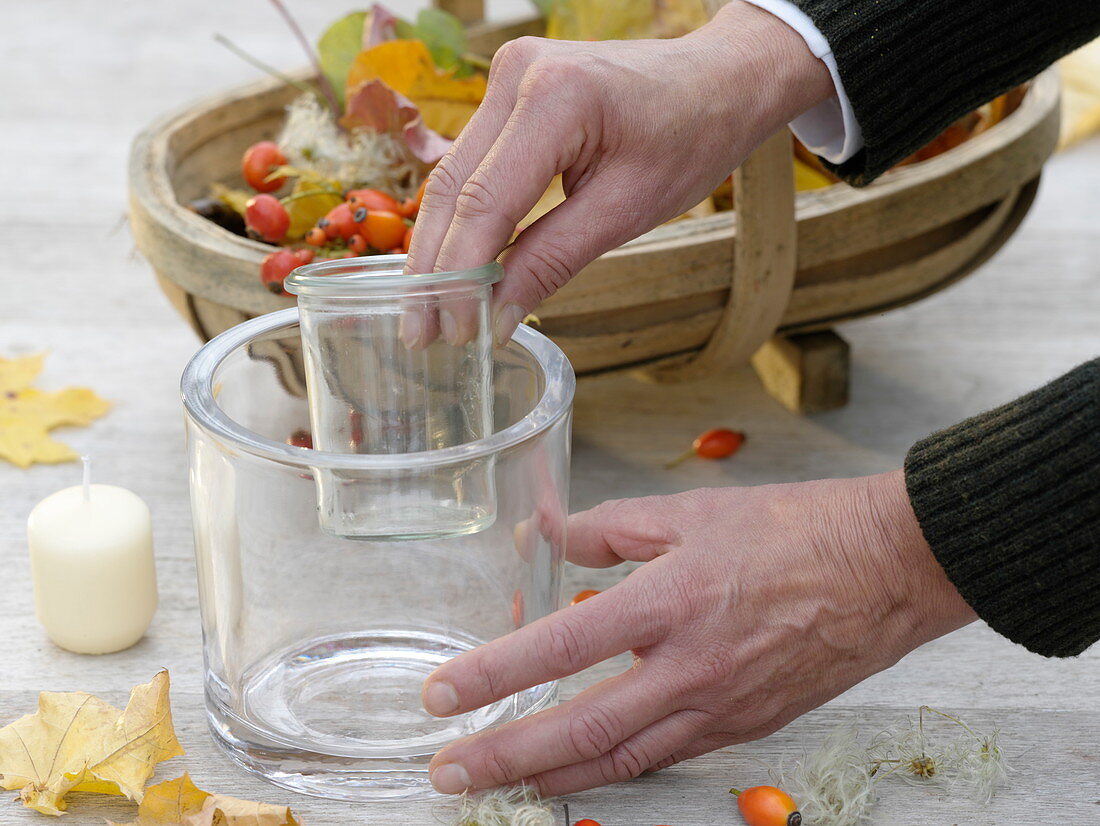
{"points": [[235, 199], [806, 177], [27, 415], [19, 373], [1080, 94], [624, 19], [76, 742], [180, 802], [173, 801], [309, 202], [446, 103], [553, 197]]}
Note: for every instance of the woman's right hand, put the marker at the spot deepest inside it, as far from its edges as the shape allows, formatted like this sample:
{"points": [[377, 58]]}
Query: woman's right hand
{"points": [[641, 131]]}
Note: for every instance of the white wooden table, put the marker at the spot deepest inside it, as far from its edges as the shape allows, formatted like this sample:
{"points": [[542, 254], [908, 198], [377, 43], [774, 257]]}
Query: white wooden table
{"points": [[81, 79]]}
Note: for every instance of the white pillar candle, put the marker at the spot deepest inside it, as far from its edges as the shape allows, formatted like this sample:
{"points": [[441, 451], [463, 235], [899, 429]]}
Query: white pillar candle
{"points": [[95, 586]]}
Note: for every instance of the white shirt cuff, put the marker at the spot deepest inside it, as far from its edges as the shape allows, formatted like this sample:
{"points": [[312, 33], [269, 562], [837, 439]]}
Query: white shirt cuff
{"points": [[830, 129]]}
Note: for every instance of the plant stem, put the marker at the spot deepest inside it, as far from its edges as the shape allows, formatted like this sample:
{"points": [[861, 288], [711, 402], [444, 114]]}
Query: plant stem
{"points": [[322, 81], [477, 61], [683, 457], [263, 67], [954, 720], [321, 190]]}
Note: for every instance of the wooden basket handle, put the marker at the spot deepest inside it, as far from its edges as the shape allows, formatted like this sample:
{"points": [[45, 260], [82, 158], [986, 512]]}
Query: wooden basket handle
{"points": [[468, 11], [762, 264]]}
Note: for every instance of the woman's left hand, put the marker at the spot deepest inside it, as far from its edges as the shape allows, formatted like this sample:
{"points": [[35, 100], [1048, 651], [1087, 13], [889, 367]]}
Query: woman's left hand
{"points": [[754, 605]]}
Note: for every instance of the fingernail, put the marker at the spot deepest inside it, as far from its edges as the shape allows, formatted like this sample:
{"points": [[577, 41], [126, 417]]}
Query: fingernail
{"points": [[448, 326], [411, 328], [440, 699], [450, 778], [508, 319]]}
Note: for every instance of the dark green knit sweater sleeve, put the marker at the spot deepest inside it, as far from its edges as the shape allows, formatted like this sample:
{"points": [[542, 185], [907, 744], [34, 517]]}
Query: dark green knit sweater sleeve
{"points": [[1009, 502], [911, 67]]}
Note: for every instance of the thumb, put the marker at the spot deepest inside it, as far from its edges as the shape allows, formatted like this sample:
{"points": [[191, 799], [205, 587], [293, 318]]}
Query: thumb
{"points": [[618, 530]]}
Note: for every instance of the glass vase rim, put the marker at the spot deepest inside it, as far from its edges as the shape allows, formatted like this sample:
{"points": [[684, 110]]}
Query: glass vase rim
{"points": [[375, 274], [197, 387]]}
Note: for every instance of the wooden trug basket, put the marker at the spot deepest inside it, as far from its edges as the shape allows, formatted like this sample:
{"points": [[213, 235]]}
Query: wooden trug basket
{"points": [[766, 282]]}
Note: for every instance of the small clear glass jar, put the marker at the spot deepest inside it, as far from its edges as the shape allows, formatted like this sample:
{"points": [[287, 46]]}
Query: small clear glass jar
{"points": [[316, 645], [398, 363]]}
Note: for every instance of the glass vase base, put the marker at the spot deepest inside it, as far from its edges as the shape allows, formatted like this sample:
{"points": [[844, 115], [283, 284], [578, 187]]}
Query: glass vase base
{"points": [[347, 712]]}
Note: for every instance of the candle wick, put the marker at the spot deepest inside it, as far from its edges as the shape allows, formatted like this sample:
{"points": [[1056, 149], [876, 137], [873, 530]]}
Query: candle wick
{"points": [[87, 478]]}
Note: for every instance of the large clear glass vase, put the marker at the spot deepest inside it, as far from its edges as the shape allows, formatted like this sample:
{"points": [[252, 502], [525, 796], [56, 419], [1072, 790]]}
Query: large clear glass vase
{"points": [[315, 645]]}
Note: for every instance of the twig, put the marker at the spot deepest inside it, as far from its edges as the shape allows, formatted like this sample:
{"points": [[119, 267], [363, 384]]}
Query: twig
{"points": [[263, 67], [322, 80]]}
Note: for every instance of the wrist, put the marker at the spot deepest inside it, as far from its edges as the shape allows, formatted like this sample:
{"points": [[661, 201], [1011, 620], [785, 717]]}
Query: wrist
{"points": [[909, 575], [787, 78]]}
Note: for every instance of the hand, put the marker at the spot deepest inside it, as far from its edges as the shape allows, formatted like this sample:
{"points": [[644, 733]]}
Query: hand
{"points": [[754, 605], [640, 130]]}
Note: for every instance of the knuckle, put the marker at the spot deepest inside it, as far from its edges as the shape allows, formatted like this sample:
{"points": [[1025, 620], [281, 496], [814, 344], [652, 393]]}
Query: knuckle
{"points": [[498, 769], [557, 75], [549, 267], [539, 785], [475, 200], [565, 651], [515, 54], [444, 180], [485, 678], [624, 762], [593, 732]]}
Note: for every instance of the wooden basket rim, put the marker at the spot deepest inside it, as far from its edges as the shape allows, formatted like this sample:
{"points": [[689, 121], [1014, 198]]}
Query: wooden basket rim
{"points": [[150, 181]]}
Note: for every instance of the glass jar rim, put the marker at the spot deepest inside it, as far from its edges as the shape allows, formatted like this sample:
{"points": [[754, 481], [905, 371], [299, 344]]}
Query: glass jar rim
{"points": [[374, 274], [197, 386]]}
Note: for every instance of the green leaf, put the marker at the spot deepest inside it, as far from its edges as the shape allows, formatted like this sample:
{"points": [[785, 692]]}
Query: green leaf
{"points": [[444, 36], [404, 30], [545, 6], [337, 49]]}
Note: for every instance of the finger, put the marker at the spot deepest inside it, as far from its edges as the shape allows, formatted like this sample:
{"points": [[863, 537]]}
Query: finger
{"points": [[470, 147], [715, 741], [626, 760], [548, 649], [704, 745], [462, 315], [581, 730], [419, 324], [558, 246], [532, 148], [622, 529], [546, 524]]}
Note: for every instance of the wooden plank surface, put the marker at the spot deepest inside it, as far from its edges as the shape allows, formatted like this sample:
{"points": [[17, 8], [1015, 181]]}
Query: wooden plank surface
{"points": [[83, 80]]}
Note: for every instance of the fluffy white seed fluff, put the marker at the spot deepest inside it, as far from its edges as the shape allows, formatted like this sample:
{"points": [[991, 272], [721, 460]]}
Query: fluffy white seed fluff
{"points": [[312, 140], [517, 806], [834, 785]]}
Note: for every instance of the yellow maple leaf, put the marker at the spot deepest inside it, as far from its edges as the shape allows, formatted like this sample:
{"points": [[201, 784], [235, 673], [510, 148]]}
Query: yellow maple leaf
{"points": [[19, 373], [76, 742], [180, 802], [446, 103], [27, 415]]}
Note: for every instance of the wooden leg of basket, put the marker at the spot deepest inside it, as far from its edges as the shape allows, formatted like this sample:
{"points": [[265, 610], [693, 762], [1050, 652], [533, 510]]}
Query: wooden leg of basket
{"points": [[806, 373]]}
